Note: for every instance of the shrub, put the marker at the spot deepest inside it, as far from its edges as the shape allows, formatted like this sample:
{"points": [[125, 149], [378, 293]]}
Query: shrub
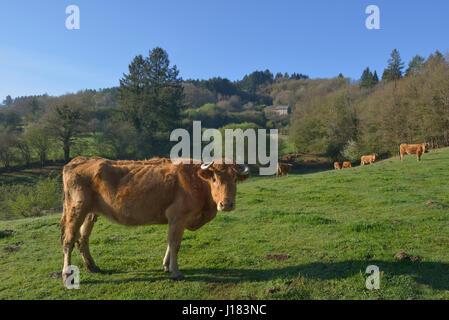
{"points": [[32, 200], [352, 151]]}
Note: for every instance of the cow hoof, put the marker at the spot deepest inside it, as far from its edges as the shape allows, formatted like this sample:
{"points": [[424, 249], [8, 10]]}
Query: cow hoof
{"points": [[178, 277], [93, 269], [166, 269]]}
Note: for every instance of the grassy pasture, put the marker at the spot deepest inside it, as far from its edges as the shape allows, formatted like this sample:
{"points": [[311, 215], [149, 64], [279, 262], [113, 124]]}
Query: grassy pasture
{"points": [[329, 225]]}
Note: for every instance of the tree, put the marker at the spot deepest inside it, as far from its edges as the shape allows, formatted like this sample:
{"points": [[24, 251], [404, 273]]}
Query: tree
{"points": [[415, 66], [8, 101], [368, 79], [34, 106], [7, 145], [24, 149], [375, 78], [253, 81], [37, 136], [12, 120], [395, 65], [120, 138], [278, 77], [65, 124], [298, 76], [151, 97]]}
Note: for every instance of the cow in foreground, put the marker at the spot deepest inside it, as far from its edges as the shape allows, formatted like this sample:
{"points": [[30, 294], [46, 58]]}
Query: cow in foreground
{"points": [[347, 164], [132, 193], [368, 159], [418, 149], [283, 168]]}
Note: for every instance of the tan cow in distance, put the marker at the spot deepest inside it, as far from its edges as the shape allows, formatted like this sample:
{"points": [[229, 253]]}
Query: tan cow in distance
{"points": [[135, 193], [283, 168], [337, 166], [368, 159], [347, 164], [418, 149]]}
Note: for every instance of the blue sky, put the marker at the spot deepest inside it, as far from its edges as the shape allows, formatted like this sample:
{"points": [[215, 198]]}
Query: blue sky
{"points": [[206, 38]]}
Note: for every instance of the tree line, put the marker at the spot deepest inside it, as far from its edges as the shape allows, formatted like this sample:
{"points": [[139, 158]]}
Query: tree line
{"points": [[335, 117], [133, 120], [344, 120]]}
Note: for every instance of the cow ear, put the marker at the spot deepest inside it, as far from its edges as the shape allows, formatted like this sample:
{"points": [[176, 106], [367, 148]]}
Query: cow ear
{"points": [[206, 174]]}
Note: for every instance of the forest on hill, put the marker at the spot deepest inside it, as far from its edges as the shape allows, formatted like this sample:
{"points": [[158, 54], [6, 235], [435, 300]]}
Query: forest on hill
{"points": [[338, 117]]}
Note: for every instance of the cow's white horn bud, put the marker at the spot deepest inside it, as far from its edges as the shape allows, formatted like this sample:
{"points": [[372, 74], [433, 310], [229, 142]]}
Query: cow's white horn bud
{"points": [[245, 169], [205, 166]]}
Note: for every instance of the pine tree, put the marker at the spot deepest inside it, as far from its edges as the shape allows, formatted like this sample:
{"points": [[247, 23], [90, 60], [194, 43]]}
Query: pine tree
{"points": [[151, 100], [8, 101], [395, 66], [368, 80], [375, 78]]}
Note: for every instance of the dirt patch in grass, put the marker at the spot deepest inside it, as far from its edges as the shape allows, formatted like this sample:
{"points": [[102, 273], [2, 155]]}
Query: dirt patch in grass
{"points": [[278, 257], [405, 256], [11, 249]]}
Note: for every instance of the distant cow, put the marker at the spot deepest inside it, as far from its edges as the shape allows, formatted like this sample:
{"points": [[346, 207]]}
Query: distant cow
{"points": [[347, 164], [417, 149], [368, 159], [283, 168], [337, 166], [135, 193]]}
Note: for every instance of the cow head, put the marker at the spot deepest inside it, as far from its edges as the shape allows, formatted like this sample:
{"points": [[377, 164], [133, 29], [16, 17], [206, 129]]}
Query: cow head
{"points": [[222, 179], [426, 146]]}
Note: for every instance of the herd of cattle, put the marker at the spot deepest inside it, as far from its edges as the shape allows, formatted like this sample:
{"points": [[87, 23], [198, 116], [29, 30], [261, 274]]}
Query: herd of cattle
{"points": [[183, 195], [404, 148]]}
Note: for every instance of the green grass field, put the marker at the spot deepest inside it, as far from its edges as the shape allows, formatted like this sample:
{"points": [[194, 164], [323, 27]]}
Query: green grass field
{"points": [[330, 224]]}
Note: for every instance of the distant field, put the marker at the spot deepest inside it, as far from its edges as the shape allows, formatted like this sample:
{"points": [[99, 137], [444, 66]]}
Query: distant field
{"points": [[329, 225]]}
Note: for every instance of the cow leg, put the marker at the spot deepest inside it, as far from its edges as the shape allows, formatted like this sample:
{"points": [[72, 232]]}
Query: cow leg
{"points": [[73, 217], [175, 232], [166, 262], [83, 242]]}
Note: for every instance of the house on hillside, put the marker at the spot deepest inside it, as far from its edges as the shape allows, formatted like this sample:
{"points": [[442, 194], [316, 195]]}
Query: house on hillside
{"points": [[279, 110]]}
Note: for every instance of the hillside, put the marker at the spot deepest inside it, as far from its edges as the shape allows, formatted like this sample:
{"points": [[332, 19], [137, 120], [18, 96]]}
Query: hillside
{"points": [[327, 227]]}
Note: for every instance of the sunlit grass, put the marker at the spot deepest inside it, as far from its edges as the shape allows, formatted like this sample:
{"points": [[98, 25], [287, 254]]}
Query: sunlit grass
{"points": [[331, 224]]}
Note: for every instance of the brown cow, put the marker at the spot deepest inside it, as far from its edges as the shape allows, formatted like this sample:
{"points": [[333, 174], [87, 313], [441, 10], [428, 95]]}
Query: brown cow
{"points": [[347, 164], [417, 149], [337, 166], [135, 193], [283, 168], [368, 159]]}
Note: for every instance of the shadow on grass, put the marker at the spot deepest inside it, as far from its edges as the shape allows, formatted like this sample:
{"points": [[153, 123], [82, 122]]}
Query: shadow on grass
{"points": [[433, 274]]}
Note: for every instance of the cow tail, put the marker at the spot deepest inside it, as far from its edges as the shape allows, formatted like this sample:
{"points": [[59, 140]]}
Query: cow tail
{"points": [[63, 218], [64, 210]]}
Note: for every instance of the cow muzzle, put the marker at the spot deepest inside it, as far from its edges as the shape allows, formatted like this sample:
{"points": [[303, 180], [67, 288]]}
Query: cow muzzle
{"points": [[225, 206]]}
